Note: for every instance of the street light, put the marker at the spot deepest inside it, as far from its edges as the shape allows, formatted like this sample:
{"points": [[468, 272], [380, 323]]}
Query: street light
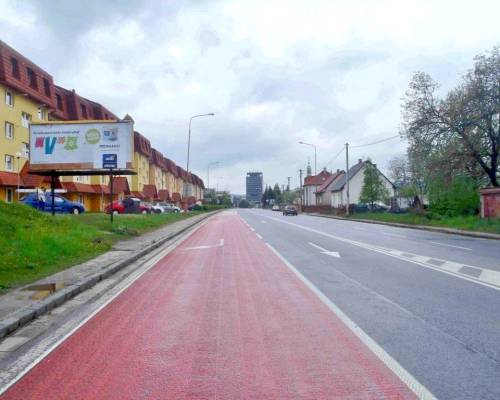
{"points": [[18, 156], [208, 172], [315, 165], [189, 134]]}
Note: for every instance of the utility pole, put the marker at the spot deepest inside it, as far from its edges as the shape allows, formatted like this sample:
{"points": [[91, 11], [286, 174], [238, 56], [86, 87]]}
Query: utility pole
{"points": [[347, 176], [300, 202], [288, 185]]}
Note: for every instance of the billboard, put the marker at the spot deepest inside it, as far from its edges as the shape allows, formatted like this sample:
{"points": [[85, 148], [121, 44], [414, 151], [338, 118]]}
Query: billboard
{"points": [[81, 145]]}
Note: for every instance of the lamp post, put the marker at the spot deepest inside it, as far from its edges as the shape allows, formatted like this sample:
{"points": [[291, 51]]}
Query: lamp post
{"points": [[315, 164], [18, 156], [189, 134], [208, 172]]}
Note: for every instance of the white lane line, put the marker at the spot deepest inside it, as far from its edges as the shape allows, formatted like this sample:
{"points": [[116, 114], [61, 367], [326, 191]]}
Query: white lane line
{"points": [[487, 277], [318, 247], [264, 222], [325, 251], [451, 245], [260, 237], [253, 230], [393, 235], [221, 242], [50, 343], [420, 390]]}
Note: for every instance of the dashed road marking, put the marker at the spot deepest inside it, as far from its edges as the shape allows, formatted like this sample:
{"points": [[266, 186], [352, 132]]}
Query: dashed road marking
{"points": [[451, 245], [260, 237]]}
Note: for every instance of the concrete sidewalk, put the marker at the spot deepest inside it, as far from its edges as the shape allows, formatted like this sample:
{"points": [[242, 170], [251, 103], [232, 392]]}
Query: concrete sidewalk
{"points": [[24, 304]]}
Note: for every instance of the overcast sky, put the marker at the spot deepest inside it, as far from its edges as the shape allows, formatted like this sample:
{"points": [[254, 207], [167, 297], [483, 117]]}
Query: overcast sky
{"points": [[273, 72]]}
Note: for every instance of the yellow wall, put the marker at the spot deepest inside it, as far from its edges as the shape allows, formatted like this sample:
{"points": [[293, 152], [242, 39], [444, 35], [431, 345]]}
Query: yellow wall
{"points": [[141, 166], [155, 176], [21, 134]]}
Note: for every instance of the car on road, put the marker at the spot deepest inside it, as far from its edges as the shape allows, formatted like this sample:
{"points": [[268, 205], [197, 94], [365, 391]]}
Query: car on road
{"points": [[289, 210], [166, 207], [129, 205], [276, 208], [43, 202]]}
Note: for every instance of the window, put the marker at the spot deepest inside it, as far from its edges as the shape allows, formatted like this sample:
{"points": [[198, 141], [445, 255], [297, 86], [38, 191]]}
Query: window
{"points": [[46, 87], [9, 196], [32, 78], [26, 150], [83, 110], [9, 98], [9, 162], [25, 119], [80, 198], [15, 68], [9, 130], [41, 113], [59, 102]]}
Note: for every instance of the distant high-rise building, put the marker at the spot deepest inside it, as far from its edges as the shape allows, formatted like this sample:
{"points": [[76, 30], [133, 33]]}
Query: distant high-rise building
{"points": [[254, 186]]}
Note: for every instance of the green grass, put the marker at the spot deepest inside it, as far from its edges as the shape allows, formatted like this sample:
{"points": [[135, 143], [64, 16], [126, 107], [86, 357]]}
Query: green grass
{"points": [[466, 222], [34, 244]]}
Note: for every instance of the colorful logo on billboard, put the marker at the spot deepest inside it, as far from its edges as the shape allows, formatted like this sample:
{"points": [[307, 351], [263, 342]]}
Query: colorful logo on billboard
{"points": [[92, 136], [110, 135], [48, 143]]}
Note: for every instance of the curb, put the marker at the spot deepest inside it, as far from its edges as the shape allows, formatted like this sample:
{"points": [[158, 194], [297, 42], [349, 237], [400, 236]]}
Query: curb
{"points": [[482, 235], [21, 317]]}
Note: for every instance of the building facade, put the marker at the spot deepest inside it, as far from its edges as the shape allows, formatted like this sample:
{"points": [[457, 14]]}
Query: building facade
{"points": [[254, 186]]}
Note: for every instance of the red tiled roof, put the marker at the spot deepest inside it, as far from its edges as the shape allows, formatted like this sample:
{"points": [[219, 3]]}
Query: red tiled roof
{"points": [[120, 185], [101, 189], [156, 157], [77, 187], [9, 179], [163, 194], [139, 195], [150, 191], [142, 145], [316, 180], [328, 180]]}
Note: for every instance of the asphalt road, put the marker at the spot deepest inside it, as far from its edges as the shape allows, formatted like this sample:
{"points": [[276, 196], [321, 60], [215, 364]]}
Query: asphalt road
{"points": [[431, 300]]}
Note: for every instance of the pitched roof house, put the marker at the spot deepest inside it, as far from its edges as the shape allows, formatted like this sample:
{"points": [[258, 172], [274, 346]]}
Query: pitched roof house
{"points": [[311, 185]]}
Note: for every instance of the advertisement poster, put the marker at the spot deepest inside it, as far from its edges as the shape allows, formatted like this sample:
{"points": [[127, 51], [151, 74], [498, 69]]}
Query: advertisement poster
{"points": [[81, 146]]}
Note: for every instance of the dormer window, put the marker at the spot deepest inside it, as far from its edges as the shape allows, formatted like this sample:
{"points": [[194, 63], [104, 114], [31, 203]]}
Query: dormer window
{"points": [[15, 68], [46, 87], [32, 78], [59, 102]]}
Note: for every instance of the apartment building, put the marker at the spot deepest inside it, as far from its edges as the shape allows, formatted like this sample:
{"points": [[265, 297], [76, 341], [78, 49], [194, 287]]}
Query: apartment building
{"points": [[28, 94]]}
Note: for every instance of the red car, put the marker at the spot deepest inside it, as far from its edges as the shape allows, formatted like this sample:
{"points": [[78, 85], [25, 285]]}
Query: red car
{"points": [[129, 205]]}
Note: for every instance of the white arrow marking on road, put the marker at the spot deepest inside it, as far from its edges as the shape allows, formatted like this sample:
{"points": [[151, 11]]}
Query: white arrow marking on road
{"points": [[325, 251]]}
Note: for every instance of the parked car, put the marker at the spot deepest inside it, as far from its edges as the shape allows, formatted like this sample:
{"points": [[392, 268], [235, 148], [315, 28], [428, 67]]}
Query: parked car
{"points": [[289, 210], [167, 207], [129, 205], [276, 208], [43, 202]]}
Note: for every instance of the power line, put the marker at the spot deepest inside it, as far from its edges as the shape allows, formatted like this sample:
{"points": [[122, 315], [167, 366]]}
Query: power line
{"points": [[377, 142], [335, 157]]}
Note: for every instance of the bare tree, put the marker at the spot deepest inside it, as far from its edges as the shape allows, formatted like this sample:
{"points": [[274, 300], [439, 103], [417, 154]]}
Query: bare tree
{"points": [[462, 126]]}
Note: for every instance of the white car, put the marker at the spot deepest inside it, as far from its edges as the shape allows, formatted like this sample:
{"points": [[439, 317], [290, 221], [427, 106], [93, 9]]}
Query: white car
{"points": [[276, 208], [166, 207]]}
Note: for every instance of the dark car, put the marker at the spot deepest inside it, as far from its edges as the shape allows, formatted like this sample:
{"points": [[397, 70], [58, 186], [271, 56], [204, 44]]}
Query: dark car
{"points": [[61, 205], [289, 210]]}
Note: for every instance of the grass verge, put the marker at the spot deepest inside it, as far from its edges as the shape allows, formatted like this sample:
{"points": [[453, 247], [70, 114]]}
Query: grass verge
{"points": [[34, 244], [467, 222]]}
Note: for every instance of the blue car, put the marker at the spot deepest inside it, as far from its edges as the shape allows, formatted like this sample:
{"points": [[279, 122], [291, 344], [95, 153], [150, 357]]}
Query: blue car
{"points": [[61, 205]]}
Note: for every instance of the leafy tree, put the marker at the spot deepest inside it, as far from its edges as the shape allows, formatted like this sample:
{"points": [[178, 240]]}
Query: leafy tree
{"points": [[373, 186], [459, 133], [244, 204], [458, 197], [277, 194]]}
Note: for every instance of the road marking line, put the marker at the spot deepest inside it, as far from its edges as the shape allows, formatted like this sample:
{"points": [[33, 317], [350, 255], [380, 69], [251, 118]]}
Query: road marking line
{"points": [[127, 282], [253, 230], [393, 235], [260, 237], [451, 245], [324, 251], [421, 391], [318, 247], [264, 222], [488, 278]]}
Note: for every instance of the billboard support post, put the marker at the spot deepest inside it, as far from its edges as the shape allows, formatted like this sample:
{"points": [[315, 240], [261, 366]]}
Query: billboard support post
{"points": [[52, 191], [111, 195]]}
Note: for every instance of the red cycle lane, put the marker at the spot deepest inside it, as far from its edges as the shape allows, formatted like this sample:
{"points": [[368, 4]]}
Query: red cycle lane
{"points": [[219, 317]]}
